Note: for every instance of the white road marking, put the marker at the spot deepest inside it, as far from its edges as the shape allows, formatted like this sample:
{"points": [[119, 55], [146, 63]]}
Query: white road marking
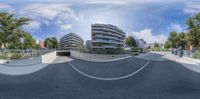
{"points": [[115, 78], [107, 60]]}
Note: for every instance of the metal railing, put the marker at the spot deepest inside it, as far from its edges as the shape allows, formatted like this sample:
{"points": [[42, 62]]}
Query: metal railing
{"points": [[181, 53]]}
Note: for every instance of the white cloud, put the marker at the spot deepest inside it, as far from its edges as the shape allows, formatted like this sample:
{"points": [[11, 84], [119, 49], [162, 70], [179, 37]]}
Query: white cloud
{"points": [[47, 11], [49, 14], [6, 7], [147, 35], [175, 27], [111, 2], [33, 25], [123, 2], [66, 26], [116, 2], [192, 7], [60, 15]]}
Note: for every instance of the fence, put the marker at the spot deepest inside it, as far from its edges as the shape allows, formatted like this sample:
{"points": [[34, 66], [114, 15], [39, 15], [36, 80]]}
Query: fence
{"points": [[181, 53]]}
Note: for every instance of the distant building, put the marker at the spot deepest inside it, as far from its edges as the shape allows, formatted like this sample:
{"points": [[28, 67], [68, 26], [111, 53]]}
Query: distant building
{"points": [[151, 45], [37, 41], [106, 36], [88, 45], [71, 41], [140, 43], [40, 43]]}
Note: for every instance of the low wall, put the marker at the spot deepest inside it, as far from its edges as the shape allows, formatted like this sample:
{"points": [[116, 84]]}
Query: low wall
{"points": [[46, 58], [2, 61], [49, 58], [96, 57]]}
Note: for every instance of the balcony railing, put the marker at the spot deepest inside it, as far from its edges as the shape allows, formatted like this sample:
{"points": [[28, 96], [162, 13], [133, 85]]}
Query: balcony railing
{"points": [[103, 41]]}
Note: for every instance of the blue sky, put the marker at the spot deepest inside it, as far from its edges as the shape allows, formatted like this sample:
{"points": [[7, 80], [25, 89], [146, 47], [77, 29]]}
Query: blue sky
{"points": [[151, 20]]}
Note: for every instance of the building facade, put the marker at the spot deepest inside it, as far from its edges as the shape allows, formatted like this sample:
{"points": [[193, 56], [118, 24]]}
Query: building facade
{"points": [[71, 41], [88, 45], [106, 36], [152, 45]]}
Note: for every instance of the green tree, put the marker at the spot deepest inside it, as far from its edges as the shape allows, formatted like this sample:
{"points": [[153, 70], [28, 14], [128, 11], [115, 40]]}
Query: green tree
{"points": [[193, 24], [156, 45], [167, 44], [10, 28], [177, 40], [55, 42], [51, 42], [29, 41], [47, 43], [130, 41], [26, 41], [182, 40], [173, 40]]}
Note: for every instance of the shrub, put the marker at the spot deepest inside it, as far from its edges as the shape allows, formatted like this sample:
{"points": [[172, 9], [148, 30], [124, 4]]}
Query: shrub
{"points": [[4, 55], [197, 55], [135, 49], [134, 53], [26, 56], [16, 56]]}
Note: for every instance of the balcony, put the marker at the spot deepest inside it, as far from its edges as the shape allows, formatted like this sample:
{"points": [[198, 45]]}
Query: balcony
{"points": [[112, 30], [108, 33], [103, 47], [104, 41], [107, 37]]}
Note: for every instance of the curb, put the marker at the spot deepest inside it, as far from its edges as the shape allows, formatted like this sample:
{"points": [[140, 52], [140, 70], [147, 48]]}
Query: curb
{"points": [[184, 58], [192, 60], [111, 60]]}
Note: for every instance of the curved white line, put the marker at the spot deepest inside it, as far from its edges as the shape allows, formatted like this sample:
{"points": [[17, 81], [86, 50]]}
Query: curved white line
{"points": [[111, 60], [116, 78]]}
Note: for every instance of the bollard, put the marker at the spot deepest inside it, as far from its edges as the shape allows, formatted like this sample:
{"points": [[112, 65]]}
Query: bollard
{"points": [[175, 52], [180, 53], [172, 51]]}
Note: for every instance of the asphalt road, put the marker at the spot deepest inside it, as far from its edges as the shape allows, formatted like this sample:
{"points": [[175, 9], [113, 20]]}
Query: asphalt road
{"points": [[158, 80]]}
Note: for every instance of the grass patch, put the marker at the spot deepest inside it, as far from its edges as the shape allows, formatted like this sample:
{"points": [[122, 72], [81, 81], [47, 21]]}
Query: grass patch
{"points": [[13, 56], [5, 55], [16, 56], [196, 55]]}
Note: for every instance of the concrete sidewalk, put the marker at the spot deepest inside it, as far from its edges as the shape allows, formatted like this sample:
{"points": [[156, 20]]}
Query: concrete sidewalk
{"points": [[190, 63]]}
